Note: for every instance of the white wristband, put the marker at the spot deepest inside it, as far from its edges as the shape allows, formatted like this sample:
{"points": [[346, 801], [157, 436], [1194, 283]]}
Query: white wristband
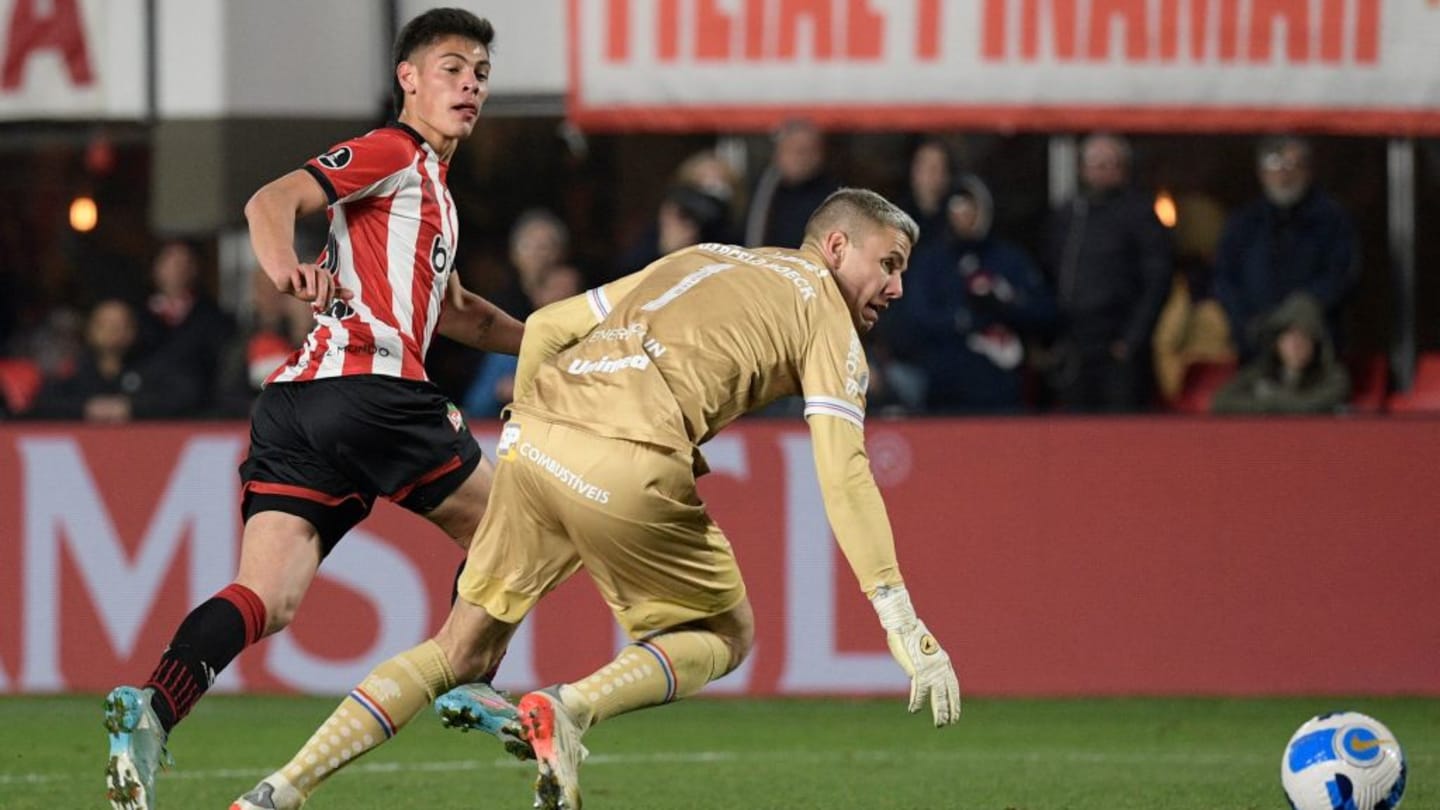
{"points": [[892, 605]]}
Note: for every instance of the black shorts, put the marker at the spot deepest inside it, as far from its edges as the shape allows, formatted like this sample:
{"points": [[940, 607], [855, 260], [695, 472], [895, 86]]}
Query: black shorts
{"points": [[324, 450]]}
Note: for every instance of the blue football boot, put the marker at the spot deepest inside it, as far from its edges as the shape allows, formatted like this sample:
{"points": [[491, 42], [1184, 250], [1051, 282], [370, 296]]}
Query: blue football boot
{"points": [[480, 706], [137, 749]]}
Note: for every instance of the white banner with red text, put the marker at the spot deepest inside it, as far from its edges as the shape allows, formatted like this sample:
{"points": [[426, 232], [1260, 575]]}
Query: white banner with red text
{"points": [[72, 59], [1065, 557], [1358, 66]]}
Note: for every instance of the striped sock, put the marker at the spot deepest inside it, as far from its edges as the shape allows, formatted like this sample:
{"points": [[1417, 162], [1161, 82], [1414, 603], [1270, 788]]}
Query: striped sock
{"points": [[372, 713], [204, 644], [657, 670]]}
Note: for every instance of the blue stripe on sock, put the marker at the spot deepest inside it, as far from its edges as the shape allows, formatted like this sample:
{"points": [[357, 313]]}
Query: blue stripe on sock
{"points": [[364, 700], [664, 667]]}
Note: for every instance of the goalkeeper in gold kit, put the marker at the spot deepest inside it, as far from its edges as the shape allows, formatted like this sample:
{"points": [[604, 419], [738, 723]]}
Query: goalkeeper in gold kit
{"points": [[616, 392]]}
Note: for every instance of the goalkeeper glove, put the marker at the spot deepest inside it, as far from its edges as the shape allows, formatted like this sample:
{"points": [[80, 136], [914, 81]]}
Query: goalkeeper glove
{"points": [[931, 675]]}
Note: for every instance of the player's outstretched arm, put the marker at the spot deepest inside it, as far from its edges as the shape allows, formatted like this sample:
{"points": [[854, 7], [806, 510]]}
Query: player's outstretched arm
{"points": [[862, 528], [271, 213], [477, 323]]}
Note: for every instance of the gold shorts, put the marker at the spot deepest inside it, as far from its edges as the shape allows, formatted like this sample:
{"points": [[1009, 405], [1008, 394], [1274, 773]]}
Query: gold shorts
{"points": [[628, 512]]}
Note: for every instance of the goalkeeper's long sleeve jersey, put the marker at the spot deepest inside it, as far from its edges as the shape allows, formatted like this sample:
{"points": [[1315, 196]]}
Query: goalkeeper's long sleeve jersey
{"points": [[671, 354]]}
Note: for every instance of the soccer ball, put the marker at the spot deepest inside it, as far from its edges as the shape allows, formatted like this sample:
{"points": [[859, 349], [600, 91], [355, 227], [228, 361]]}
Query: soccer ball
{"points": [[1343, 761]]}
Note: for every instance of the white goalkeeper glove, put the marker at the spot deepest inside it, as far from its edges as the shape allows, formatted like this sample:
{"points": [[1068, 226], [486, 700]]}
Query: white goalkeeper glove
{"points": [[931, 675]]}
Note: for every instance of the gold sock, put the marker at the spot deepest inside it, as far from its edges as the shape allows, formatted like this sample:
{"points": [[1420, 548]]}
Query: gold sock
{"points": [[657, 670], [372, 713]]}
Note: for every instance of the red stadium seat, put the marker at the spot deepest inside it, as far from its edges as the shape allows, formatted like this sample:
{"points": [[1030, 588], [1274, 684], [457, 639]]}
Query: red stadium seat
{"points": [[20, 381], [1202, 380], [1424, 395], [1369, 383]]}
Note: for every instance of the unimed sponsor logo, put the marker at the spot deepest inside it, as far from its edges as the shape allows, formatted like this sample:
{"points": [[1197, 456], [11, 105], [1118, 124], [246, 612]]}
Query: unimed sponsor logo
{"points": [[609, 365]]}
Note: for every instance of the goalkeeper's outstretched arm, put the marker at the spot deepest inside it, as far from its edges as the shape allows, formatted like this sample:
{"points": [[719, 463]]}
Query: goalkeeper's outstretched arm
{"points": [[862, 528]]}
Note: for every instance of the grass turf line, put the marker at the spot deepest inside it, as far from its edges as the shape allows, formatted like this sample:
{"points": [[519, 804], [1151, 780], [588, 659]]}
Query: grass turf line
{"points": [[1205, 754]]}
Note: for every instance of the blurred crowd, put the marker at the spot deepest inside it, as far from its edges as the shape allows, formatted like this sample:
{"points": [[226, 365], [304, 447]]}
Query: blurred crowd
{"points": [[1116, 312]]}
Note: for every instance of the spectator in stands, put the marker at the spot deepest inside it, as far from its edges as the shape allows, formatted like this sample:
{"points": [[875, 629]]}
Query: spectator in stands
{"points": [[791, 188], [712, 174], [56, 343], [1296, 370], [931, 171], [278, 326], [687, 216], [183, 329], [970, 301], [1110, 260], [539, 243], [494, 385], [108, 385], [1295, 237], [1192, 337]]}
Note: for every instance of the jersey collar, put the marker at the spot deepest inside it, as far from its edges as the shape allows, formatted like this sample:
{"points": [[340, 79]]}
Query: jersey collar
{"points": [[408, 130], [417, 138]]}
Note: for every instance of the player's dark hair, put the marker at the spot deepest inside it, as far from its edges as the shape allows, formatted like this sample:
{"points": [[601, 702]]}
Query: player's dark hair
{"points": [[848, 207], [425, 29]]}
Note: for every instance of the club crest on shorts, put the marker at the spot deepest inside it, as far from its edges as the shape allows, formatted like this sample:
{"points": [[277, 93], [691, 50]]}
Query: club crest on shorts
{"points": [[457, 420], [505, 450]]}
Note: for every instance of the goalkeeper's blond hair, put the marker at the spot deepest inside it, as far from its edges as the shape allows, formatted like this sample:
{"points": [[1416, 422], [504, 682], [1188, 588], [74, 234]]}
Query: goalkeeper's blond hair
{"points": [[853, 210]]}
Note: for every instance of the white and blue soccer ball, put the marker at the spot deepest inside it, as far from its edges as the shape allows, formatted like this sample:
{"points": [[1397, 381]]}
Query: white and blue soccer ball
{"points": [[1343, 761]]}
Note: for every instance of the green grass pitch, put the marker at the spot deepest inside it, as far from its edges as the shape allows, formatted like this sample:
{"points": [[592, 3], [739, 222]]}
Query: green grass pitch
{"points": [[1206, 754]]}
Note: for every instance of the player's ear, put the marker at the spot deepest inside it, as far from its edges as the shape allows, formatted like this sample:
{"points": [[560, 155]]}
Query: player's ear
{"points": [[407, 74], [834, 246]]}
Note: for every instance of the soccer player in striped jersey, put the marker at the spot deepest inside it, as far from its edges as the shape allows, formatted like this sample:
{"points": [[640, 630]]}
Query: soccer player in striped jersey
{"points": [[597, 467], [350, 416]]}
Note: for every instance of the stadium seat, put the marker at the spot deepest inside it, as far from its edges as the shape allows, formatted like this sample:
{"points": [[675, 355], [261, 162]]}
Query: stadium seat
{"points": [[20, 381], [1369, 382], [1424, 395], [1202, 380]]}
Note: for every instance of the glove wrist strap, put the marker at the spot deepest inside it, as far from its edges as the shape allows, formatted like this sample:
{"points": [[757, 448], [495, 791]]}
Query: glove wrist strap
{"points": [[892, 605]]}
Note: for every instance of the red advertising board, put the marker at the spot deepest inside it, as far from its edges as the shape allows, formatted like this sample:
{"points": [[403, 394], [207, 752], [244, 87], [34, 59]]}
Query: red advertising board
{"points": [[1052, 557]]}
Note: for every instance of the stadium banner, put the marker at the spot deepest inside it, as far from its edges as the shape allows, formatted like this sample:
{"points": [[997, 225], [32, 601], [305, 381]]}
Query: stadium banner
{"points": [[1345, 66], [80, 59], [1051, 557]]}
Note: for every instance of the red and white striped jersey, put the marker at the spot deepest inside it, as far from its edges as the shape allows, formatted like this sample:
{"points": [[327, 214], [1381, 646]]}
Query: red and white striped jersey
{"points": [[393, 234]]}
